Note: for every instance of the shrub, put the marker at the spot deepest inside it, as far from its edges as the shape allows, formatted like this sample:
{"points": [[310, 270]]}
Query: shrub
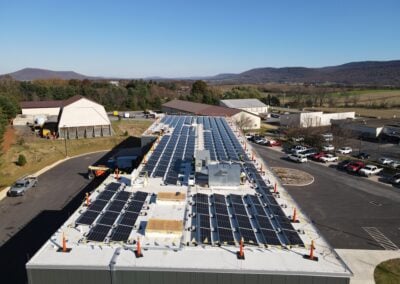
{"points": [[21, 160]]}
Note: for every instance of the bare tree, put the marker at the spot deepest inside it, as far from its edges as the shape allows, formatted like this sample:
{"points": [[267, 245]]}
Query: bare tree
{"points": [[244, 122]]}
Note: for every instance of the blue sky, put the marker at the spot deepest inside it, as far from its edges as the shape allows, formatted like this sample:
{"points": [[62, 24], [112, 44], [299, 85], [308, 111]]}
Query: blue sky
{"points": [[187, 38]]}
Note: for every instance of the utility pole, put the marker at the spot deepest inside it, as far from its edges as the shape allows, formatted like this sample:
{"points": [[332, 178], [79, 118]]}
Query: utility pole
{"points": [[65, 140]]}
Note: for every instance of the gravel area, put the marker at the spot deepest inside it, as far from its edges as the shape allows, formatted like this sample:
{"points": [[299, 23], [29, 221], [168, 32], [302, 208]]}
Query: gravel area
{"points": [[293, 176]]}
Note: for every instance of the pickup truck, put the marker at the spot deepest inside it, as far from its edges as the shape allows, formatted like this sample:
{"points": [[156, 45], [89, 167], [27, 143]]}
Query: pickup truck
{"points": [[370, 170], [21, 186], [355, 166]]}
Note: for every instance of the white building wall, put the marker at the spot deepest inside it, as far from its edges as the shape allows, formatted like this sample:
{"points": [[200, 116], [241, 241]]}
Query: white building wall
{"points": [[312, 119], [41, 111], [256, 110]]}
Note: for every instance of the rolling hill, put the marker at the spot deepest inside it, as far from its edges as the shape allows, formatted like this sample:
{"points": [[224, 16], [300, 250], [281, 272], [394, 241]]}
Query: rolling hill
{"points": [[365, 72], [28, 74]]}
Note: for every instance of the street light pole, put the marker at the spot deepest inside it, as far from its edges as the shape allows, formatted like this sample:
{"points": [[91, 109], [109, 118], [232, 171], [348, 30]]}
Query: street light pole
{"points": [[65, 141]]}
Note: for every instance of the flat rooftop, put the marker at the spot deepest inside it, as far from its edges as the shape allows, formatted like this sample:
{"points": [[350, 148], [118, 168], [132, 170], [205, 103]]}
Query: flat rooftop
{"points": [[184, 227]]}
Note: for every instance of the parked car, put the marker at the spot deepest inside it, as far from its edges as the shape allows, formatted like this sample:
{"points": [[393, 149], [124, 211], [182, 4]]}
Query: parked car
{"points": [[249, 136], [395, 164], [344, 150], [343, 164], [328, 148], [385, 161], [362, 156], [355, 166], [297, 158], [370, 170], [395, 179], [258, 139], [309, 152], [298, 149], [329, 158], [21, 186], [318, 156], [263, 141], [274, 115], [273, 143], [327, 137]]}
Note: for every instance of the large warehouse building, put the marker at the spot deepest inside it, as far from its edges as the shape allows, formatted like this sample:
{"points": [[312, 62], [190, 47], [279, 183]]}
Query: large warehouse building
{"points": [[245, 119], [172, 222], [250, 105], [78, 117], [312, 119]]}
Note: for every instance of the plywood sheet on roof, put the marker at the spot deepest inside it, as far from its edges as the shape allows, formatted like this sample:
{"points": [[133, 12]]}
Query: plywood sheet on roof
{"points": [[164, 226], [171, 196]]}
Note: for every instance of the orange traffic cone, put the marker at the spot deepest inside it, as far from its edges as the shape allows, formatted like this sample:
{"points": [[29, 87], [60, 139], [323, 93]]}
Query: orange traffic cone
{"points": [[87, 200], [240, 253], [311, 255], [294, 217], [138, 251], [275, 188]]}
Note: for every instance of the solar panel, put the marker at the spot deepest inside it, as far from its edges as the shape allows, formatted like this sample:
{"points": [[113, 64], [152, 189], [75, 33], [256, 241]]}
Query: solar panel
{"points": [[225, 236], [205, 235], [140, 195], [87, 217], [260, 210], [121, 233], [223, 221], [202, 208], [204, 221], [113, 186], [97, 205], [108, 218], [235, 198], [105, 195], [243, 221], [135, 206], [277, 210], [200, 198], [116, 206], [293, 237], [219, 198], [239, 209], [248, 236], [270, 237], [284, 223], [129, 219], [98, 233], [221, 209], [264, 222], [122, 195]]}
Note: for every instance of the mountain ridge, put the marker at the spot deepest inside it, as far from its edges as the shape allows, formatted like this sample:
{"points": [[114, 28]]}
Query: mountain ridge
{"points": [[361, 72]]}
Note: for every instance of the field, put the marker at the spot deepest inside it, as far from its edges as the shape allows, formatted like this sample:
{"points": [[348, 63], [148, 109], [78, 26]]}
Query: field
{"points": [[41, 152]]}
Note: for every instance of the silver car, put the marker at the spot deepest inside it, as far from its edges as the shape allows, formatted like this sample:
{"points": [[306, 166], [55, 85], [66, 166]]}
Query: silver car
{"points": [[22, 185]]}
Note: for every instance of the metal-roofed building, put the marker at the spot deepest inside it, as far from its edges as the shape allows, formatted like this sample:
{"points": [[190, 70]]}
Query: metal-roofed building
{"points": [[78, 117], [246, 119], [153, 226], [250, 105]]}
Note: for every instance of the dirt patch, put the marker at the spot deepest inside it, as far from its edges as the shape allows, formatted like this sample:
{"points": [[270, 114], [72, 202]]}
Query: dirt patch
{"points": [[8, 139], [293, 176]]}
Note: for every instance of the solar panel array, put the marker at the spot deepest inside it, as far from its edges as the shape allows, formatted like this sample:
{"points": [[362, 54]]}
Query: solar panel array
{"points": [[173, 149], [225, 220], [113, 214]]}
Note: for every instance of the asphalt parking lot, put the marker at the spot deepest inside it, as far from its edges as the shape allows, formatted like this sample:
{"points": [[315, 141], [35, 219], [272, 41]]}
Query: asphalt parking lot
{"points": [[350, 212], [28, 221]]}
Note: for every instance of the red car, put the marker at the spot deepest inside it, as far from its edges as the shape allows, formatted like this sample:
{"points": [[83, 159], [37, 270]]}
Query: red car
{"points": [[273, 143], [318, 156], [355, 166]]}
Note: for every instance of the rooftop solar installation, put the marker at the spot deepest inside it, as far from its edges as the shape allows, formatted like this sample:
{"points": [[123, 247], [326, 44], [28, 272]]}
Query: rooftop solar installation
{"points": [[187, 227]]}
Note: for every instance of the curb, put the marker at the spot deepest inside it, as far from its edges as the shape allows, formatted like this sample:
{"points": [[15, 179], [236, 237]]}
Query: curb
{"points": [[3, 192]]}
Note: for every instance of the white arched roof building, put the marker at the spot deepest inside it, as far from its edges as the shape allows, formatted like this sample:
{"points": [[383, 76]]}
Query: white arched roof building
{"points": [[83, 118]]}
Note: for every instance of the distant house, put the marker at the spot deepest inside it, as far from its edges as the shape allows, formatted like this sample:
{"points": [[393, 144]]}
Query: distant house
{"points": [[78, 117], [244, 119], [250, 105]]}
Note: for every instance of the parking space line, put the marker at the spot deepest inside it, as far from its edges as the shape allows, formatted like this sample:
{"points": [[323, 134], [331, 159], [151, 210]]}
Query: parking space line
{"points": [[380, 238]]}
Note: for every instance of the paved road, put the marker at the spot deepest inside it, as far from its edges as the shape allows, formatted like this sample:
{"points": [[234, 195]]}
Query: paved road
{"points": [[340, 205], [27, 222]]}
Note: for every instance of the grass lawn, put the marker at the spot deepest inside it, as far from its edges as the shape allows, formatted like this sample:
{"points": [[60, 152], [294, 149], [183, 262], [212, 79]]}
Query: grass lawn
{"points": [[388, 272], [41, 152]]}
